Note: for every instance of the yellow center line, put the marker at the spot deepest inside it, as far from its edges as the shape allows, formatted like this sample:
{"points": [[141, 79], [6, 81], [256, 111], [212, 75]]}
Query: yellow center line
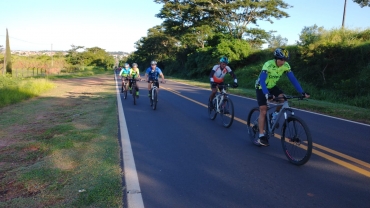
{"points": [[314, 151]]}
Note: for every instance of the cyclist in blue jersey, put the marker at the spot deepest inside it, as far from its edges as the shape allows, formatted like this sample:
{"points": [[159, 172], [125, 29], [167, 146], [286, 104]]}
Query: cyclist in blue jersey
{"points": [[152, 73], [124, 73], [266, 86]]}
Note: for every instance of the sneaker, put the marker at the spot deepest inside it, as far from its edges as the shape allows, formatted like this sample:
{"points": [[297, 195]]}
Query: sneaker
{"points": [[263, 141]]}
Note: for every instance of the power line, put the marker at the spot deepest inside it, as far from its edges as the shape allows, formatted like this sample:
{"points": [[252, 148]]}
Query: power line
{"points": [[26, 40]]}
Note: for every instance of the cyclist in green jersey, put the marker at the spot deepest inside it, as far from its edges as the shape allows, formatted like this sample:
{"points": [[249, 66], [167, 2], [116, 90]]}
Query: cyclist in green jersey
{"points": [[266, 86], [134, 74]]}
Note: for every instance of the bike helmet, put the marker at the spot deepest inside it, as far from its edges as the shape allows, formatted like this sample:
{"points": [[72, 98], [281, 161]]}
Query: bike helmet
{"points": [[224, 60], [281, 53], [134, 64], [127, 65], [153, 63]]}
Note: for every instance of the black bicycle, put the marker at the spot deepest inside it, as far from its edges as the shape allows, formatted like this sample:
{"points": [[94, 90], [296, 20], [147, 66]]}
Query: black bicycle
{"points": [[134, 89], [154, 94], [223, 105], [296, 138], [124, 87]]}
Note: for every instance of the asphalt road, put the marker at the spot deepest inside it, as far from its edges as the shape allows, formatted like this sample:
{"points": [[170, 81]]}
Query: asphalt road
{"points": [[184, 159]]}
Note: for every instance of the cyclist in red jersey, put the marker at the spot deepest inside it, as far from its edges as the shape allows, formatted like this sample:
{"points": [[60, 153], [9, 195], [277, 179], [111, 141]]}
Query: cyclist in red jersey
{"points": [[217, 75]]}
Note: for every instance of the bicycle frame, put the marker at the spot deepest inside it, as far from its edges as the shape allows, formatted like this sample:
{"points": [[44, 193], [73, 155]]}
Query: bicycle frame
{"points": [[283, 112], [296, 138], [223, 105], [153, 87], [219, 98]]}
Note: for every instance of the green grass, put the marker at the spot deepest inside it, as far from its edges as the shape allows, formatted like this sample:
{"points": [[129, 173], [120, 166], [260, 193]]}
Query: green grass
{"points": [[70, 158], [15, 90]]}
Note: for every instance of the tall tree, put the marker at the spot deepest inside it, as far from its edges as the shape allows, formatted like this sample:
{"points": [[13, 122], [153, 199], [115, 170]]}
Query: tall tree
{"points": [[277, 41], [157, 45], [362, 3], [232, 16], [8, 55]]}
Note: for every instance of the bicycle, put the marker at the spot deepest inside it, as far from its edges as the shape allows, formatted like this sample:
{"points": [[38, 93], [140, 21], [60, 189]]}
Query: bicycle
{"points": [[124, 87], [296, 137], [154, 94], [134, 89], [223, 105]]}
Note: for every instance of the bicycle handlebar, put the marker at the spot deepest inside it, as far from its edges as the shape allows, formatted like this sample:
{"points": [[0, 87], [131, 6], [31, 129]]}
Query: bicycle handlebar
{"points": [[287, 97]]}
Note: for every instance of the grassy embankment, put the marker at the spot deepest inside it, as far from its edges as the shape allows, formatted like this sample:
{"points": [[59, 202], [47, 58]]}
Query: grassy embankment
{"points": [[61, 149]]}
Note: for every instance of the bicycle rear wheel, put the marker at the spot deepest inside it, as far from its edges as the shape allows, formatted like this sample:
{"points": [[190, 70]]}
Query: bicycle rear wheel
{"points": [[154, 99], [296, 141], [252, 123], [227, 112], [212, 111]]}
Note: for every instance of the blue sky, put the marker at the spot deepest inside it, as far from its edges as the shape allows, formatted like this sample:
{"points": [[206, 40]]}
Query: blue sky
{"points": [[115, 25]]}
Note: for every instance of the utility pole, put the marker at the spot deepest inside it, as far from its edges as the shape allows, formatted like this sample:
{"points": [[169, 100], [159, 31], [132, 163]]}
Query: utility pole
{"points": [[344, 13]]}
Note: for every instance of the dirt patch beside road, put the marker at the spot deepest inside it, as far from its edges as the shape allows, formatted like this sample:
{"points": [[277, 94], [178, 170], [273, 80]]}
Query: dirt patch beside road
{"points": [[51, 136]]}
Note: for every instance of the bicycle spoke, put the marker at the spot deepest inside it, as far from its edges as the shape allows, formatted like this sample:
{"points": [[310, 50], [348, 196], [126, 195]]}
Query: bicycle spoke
{"points": [[155, 99], [253, 129], [212, 111], [227, 112], [296, 141]]}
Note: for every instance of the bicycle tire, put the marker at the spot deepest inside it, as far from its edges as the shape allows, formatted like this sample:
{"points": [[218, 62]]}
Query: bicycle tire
{"points": [[155, 99], [124, 91], [212, 111], [296, 140], [252, 123], [134, 93], [227, 113]]}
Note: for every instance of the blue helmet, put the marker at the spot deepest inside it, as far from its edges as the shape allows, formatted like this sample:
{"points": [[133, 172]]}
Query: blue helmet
{"points": [[224, 60], [281, 53], [127, 65]]}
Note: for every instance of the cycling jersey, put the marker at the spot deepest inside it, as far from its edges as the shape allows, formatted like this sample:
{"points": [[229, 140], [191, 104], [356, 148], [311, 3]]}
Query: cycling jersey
{"points": [[125, 72], [218, 76], [153, 74], [134, 73], [273, 73]]}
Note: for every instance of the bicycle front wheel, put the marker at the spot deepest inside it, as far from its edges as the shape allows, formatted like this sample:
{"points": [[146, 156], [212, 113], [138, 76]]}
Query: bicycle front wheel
{"points": [[227, 112], [124, 90], [134, 94], [296, 141], [155, 99], [212, 111], [252, 124]]}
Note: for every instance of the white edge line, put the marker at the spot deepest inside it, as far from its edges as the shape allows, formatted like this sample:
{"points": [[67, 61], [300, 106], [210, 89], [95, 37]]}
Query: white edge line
{"points": [[292, 107], [133, 192]]}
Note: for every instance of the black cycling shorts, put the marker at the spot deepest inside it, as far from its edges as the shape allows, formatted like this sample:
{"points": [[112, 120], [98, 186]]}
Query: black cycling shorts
{"points": [[219, 85], [155, 83], [261, 98]]}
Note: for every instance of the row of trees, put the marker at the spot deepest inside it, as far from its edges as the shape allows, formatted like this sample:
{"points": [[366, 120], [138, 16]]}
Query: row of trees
{"points": [[195, 33], [75, 59], [89, 57]]}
